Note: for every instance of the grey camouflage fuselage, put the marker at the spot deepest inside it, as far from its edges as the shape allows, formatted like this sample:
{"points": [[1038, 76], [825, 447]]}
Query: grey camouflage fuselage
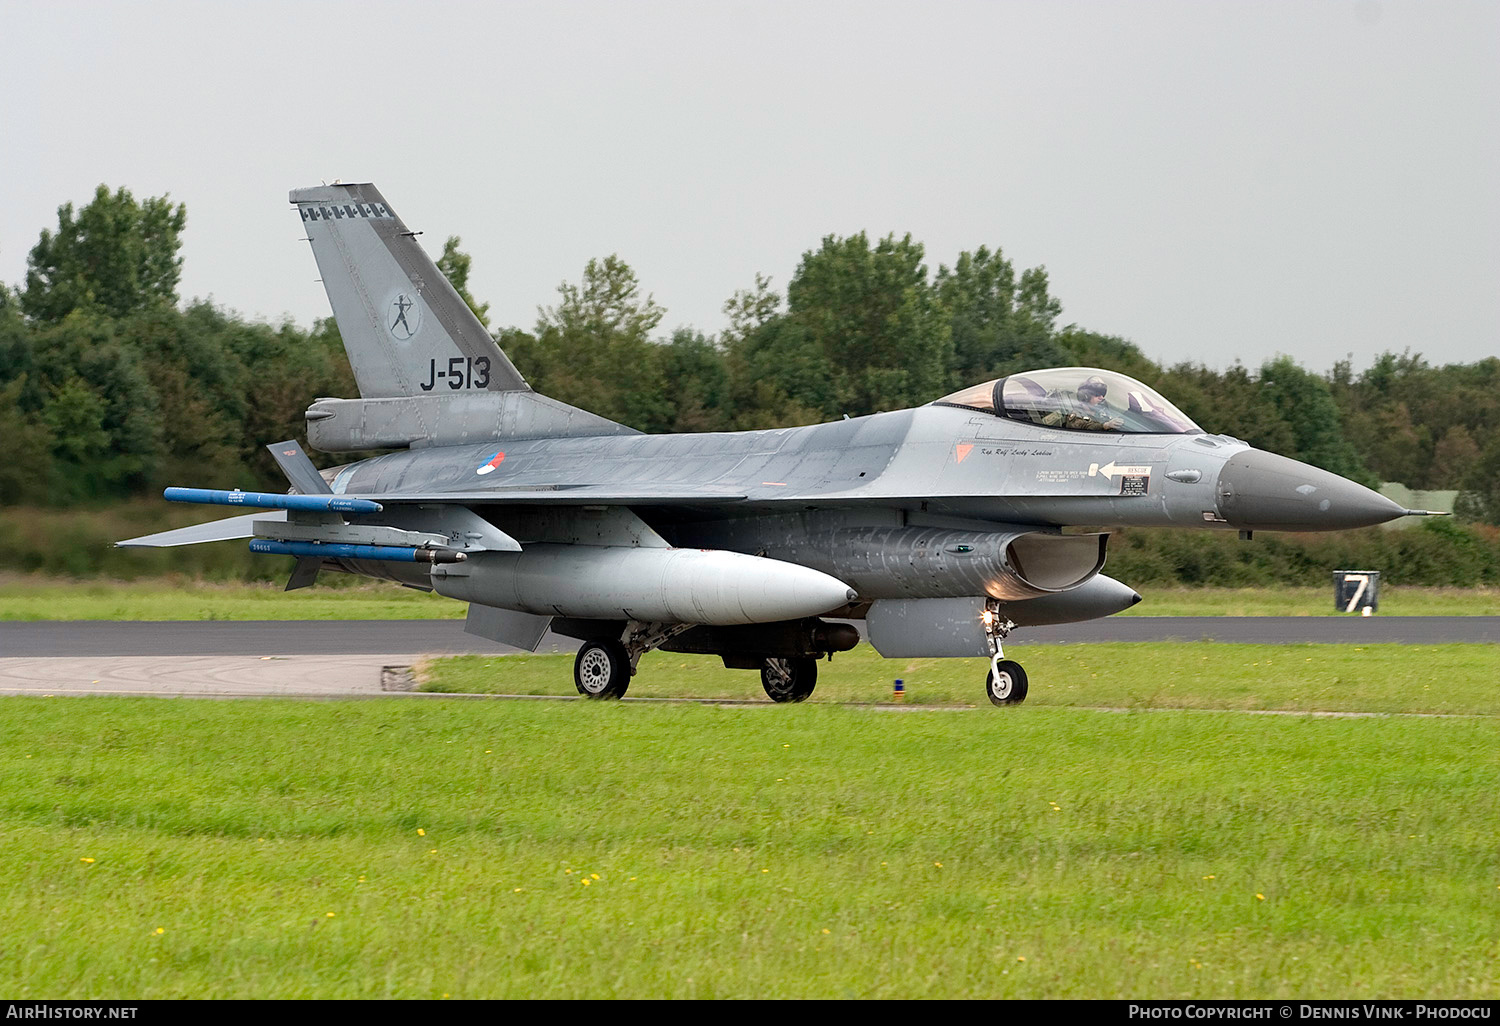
{"points": [[941, 525]]}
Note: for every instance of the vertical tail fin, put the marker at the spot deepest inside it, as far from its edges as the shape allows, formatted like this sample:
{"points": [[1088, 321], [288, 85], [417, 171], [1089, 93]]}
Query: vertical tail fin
{"points": [[406, 330]]}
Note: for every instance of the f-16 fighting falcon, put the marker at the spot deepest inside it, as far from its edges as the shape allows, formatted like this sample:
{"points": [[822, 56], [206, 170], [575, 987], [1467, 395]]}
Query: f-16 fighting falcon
{"points": [[943, 528]]}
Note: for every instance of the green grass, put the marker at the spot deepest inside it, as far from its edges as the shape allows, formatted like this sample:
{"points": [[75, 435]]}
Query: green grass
{"points": [[335, 598], [1197, 675], [31, 597], [161, 849], [1394, 601]]}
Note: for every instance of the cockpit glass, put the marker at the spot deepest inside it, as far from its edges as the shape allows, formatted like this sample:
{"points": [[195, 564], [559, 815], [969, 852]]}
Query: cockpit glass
{"points": [[980, 397], [1077, 399]]}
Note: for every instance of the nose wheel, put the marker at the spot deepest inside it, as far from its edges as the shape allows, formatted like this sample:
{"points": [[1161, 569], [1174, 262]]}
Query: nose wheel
{"points": [[1005, 684]]}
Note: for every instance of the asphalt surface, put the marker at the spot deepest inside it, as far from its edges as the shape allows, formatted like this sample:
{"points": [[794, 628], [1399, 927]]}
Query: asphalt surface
{"points": [[409, 638], [355, 658]]}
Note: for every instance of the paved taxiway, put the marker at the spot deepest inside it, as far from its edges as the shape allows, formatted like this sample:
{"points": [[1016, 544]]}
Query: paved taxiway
{"points": [[349, 657], [446, 637]]}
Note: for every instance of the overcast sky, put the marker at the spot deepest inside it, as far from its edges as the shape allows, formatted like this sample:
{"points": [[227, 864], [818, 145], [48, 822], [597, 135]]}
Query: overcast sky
{"points": [[1214, 181]]}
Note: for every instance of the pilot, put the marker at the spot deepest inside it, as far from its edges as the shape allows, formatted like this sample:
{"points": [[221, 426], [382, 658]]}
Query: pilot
{"points": [[1089, 412]]}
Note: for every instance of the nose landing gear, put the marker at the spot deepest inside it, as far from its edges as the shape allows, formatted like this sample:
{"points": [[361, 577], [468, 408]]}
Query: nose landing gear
{"points": [[1005, 684]]}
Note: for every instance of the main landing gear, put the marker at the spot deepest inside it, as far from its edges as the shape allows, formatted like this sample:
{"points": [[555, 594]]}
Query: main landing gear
{"points": [[789, 679], [604, 666], [1005, 684], [602, 670]]}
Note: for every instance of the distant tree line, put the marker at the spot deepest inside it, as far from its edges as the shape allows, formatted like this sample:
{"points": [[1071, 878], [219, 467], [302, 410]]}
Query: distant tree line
{"points": [[110, 387]]}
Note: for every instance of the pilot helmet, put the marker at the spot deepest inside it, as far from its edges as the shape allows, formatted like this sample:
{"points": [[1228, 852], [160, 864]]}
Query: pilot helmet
{"points": [[1092, 387]]}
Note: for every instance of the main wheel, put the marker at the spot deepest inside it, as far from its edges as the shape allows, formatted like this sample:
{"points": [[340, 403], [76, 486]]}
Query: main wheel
{"points": [[602, 670], [1008, 687], [789, 680]]}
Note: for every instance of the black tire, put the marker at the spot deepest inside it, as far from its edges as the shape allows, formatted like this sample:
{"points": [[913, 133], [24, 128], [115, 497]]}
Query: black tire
{"points": [[1010, 688], [789, 680], [602, 670]]}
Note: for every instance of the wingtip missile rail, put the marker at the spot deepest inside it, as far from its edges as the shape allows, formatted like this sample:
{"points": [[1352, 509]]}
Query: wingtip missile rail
{"points": [[272, 500]]}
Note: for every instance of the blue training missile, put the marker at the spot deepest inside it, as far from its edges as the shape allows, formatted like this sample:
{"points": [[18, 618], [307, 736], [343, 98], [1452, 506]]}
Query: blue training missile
{"points": [[341, 550], [272, 500]]}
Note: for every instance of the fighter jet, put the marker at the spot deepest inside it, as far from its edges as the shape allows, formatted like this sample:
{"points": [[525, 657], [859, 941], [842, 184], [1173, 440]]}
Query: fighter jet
{"points": [[943, 527]]}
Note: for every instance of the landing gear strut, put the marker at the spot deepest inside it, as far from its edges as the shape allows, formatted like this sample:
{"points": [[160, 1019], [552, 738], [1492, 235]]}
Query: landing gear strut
{"points": [[1005, 684], [789, 679], [604, 667]]}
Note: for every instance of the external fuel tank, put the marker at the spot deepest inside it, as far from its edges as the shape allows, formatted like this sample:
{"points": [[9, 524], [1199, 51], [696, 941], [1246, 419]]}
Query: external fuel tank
{"points": [[662, 585]]}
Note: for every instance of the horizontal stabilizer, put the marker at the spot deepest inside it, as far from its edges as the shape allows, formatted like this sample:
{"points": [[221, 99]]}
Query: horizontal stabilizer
{"points": [[219, 530]]}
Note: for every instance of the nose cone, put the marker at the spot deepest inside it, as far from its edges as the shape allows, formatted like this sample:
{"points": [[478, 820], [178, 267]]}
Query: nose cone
{"points": [[1264, 491]]}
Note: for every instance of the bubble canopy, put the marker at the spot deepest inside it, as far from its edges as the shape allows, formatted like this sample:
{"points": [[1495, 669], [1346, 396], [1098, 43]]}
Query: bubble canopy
{"points": [[1077, 399]]}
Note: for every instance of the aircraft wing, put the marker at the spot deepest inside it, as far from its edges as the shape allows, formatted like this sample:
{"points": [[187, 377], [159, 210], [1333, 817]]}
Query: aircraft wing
{"points": [[218, 530]]}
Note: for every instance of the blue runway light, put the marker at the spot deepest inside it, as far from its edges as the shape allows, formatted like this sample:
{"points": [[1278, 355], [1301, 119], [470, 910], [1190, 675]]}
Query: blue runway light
{"points": [[272, 500]]}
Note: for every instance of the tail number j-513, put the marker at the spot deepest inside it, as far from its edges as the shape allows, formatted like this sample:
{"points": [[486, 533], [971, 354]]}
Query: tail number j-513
{"points": [[462, 372]]}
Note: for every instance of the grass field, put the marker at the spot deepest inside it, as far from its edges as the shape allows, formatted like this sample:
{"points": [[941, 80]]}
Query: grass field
{"points": [[33, 598], [1438, 679], [474, 849], [24, 597]]}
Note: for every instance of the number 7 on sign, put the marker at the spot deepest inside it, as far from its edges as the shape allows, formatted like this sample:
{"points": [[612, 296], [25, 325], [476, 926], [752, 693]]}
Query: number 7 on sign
{"points": [[1364, 581]]}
